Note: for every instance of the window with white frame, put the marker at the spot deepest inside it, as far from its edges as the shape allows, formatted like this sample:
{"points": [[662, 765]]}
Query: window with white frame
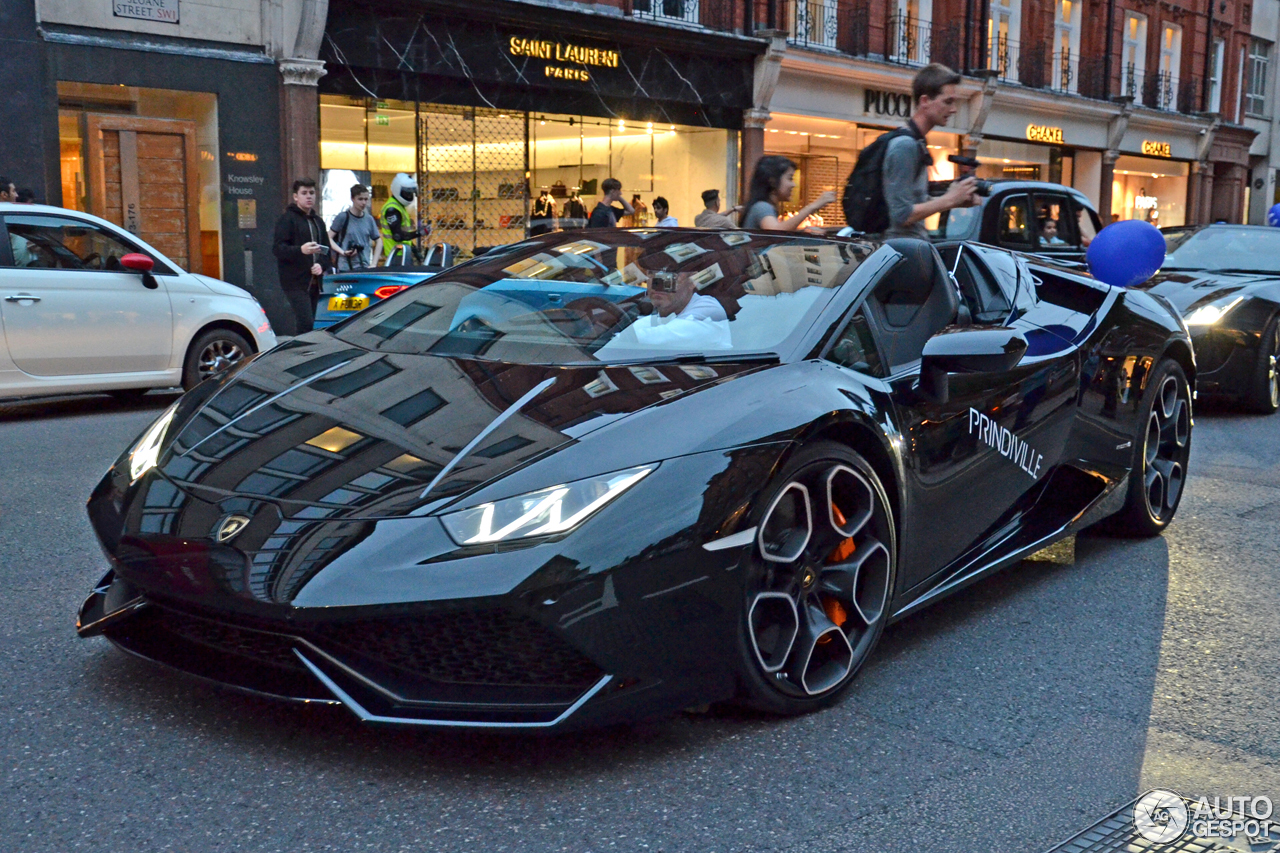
{"points": [[1170, 66], [1134, 54], [1215, 75], [1003, 25], [912, 23], [1066, 45], [1255, 93]]}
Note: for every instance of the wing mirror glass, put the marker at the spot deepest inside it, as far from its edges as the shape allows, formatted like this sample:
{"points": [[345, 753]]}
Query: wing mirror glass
{"points": [[967, 350]]}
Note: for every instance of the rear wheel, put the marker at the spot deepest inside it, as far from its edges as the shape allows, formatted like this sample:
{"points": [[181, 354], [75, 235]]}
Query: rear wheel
{"points": [[818, 582], [1161, 449], [1264, 390], [212, 352]]}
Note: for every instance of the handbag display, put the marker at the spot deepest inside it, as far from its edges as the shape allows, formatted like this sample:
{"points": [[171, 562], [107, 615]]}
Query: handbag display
{"points": [[559, 190], [445, 194]]}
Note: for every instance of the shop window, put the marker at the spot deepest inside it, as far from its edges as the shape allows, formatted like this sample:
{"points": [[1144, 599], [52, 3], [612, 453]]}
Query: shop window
{"points": [[1015, 222], [1150, 189], [1255, 94]]}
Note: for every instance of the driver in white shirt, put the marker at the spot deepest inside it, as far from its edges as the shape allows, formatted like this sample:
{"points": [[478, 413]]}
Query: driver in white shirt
{"points": [[674, 294]]}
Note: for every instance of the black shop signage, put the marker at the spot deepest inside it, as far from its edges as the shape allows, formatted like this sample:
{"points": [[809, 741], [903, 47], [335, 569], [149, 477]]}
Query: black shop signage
{"points": [[515, 66], [876, 102]]}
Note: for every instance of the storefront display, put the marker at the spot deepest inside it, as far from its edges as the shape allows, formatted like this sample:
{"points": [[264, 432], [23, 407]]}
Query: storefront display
{"points": [[1150, 189]]}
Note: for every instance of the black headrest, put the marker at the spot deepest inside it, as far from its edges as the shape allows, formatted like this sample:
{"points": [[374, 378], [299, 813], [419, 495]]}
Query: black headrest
{"points": [[914, 277]]}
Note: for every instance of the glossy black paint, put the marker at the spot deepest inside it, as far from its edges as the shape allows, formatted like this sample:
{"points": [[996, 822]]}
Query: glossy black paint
{"points": [[343, 585], [1227, 352]]}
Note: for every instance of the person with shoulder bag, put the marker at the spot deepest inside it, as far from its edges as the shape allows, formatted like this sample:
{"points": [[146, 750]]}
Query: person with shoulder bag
{"points": [[355, 234], [888, 190]]}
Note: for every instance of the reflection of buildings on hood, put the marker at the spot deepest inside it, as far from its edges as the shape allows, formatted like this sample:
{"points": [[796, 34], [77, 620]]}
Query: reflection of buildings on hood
{"points": [[311, 464], [789, 268]]}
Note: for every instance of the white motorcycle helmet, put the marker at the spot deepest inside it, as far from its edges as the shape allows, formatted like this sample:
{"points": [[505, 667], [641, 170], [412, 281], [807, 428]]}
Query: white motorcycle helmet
{"points": [[404, 188]]}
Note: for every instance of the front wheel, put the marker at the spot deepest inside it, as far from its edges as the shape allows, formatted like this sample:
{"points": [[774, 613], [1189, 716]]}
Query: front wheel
{"points": [[1264, 390], [819, 581], [1161, 450], [212, 352]]}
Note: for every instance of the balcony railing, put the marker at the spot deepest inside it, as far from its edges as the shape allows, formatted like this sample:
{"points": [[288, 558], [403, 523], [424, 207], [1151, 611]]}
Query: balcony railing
{"points": [[908, 40], [668, 11], [1161, 90], [830, 24], [741, 16]]}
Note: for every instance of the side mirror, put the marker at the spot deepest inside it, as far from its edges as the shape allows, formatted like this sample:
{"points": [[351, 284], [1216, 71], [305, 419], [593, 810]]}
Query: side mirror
{"points": [[967, 350], [138, 262]]}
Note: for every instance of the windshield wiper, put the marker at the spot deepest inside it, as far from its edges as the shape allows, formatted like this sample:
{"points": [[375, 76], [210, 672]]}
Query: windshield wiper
{"points": [[1246, 271], [700, 358]]}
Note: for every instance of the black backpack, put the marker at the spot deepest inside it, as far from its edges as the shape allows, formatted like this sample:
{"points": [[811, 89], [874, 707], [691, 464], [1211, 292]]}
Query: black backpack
{"points": [[864, 206]]}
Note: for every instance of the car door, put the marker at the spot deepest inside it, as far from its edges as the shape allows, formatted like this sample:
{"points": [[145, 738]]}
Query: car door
{"points": [[976, 457], [70, 308], [1012, 223]]}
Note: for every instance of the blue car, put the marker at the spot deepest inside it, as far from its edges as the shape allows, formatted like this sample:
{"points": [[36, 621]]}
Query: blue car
{"points": [[343, 294]]}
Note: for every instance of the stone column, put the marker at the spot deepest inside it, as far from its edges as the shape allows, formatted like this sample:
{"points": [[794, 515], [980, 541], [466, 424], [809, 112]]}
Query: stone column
{"points": [[299, 120], [1109, 158], [753, 122]]}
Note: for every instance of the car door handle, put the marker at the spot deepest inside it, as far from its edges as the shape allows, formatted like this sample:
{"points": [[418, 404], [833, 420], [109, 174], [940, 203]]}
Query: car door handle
{"points": [[22, 297]]}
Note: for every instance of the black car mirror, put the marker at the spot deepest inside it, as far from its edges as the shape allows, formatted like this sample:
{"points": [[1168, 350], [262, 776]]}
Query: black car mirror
{"points": [[967, 350]]}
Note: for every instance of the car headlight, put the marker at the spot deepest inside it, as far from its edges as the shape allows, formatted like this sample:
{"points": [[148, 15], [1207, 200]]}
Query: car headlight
{"points": [[541, 513], [1207, 315], [146, 453]]}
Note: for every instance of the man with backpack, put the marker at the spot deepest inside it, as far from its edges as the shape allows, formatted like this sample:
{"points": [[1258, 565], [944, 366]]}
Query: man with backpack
{"points": [[888, 191], [355, 232]]}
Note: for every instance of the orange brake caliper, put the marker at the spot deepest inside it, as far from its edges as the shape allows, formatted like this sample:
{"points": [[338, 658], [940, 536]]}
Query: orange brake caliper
{"points": [[834, 609]]}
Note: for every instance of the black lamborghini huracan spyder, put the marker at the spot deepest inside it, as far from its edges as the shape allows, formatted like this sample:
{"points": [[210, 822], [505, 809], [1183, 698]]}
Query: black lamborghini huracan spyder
{"points": [[601, 475]]}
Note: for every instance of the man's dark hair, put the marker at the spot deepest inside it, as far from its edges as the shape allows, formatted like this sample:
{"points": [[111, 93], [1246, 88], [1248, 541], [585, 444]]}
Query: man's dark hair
{"points": [[930, 80], [660, 202], [5, 183], [608, 185], [26, 195], [358, 189], [304, 182], [710, 197]]}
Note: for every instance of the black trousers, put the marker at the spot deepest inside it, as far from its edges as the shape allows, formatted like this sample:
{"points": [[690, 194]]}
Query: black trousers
{"points": [[303, 306]]}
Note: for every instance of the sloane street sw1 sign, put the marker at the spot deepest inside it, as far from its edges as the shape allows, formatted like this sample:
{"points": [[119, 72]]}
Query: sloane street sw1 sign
{"points": [[147, 10]]}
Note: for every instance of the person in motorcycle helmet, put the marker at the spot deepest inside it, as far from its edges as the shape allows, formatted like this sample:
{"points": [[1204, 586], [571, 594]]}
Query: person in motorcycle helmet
{"points": [[397, 226]]}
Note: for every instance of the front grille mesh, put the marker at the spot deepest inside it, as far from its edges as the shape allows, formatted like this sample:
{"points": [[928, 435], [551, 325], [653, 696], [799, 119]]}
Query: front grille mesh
{"points": [[480, 647], [494, 647]]}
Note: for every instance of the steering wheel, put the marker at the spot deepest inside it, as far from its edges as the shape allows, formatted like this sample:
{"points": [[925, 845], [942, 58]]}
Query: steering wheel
{"points": [[88, 261], [603, 315]]}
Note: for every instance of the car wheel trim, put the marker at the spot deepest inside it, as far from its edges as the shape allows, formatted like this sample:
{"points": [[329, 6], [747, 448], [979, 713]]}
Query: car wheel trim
{"points": [[1273, 379], [807, 625], [218, 355], [1165, 448]]}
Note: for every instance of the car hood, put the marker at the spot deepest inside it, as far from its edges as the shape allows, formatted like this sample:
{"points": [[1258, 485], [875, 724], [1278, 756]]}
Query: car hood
{"points": [[1186, 290], [321, 429], [222, 288]]}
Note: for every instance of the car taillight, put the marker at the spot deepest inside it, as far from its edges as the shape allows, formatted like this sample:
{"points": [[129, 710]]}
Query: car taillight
{"points": [[389, 290]]}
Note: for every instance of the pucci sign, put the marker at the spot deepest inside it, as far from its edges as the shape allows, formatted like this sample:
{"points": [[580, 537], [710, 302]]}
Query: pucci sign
{"points": [[877, 102]]}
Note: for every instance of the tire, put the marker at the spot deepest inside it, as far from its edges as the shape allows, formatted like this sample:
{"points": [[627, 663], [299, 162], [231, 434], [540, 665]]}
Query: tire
{"points": [[1263, 396], [812, 611], [1161, 450], [213, 351]]}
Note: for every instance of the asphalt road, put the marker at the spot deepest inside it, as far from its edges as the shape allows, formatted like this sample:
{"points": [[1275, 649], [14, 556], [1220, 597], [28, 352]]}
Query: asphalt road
{"points": [[1004, 719]]}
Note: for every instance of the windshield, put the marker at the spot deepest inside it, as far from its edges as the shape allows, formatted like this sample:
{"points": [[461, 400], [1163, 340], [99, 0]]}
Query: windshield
{"points": [[616, 296], [1248, 249]]}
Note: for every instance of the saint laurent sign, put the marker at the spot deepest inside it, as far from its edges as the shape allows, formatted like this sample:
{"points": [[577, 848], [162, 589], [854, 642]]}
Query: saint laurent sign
{"points": [[556, 51]]}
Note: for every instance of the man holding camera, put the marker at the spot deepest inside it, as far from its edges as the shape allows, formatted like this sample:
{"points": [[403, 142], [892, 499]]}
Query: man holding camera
{"points": [[355, 232], [905, 175]]}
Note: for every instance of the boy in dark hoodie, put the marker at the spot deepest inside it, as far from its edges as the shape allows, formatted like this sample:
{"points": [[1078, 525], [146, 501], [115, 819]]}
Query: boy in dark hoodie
{"points": [[301, 248]]}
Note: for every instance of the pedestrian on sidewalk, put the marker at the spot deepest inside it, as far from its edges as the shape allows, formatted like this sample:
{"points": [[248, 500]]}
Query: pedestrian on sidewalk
{"points": [[301, 247], [771, 185], [711, 217], [662, 210], [355, 232], [604, 214]]}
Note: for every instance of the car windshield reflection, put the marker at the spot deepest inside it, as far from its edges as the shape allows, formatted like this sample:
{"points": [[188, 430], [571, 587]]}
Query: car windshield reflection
{"points": [[1218, 249], [621, 296]]}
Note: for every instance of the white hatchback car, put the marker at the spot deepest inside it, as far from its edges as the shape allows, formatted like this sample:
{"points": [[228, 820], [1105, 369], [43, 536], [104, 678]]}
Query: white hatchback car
{"points": [[87, 306]]}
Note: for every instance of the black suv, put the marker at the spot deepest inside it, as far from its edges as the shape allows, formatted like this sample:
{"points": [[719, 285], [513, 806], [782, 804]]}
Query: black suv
{"points": [[1016, 214]]}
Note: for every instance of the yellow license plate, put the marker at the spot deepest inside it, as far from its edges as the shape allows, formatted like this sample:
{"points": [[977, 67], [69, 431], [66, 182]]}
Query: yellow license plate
{"points": [[348, 303]]}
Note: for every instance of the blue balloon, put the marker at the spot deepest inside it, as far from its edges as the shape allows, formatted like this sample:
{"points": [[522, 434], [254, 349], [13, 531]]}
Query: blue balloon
{"points": [[1273, 216], [1126, 253]]}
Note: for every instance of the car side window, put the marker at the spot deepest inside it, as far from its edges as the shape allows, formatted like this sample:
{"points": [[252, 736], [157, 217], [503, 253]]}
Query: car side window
{"points": [[55, 242], [1087, 222], [987, 302], [855, 347], [1014, 223], [1055, 226]]}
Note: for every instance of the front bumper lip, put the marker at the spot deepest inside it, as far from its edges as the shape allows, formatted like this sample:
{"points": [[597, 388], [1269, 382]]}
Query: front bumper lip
{"points": [[324, 679]]}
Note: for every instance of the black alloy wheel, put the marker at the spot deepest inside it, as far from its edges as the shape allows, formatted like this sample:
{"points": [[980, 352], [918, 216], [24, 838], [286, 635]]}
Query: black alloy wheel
{"points": [[819, 581], [1162, 448], [1264, 392], [211, 353]]}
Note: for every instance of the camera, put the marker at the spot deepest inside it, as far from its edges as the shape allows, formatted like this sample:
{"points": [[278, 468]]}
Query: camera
{"points": [[968, 165]]}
